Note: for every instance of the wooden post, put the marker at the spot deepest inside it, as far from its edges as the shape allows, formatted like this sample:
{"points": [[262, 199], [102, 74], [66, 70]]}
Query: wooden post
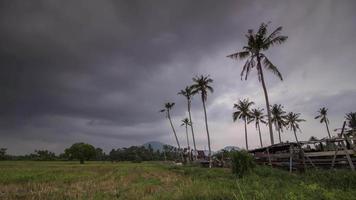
{"points": [[344, 148], [348, 156], [334, 158], [269, 157], [290, 158]]}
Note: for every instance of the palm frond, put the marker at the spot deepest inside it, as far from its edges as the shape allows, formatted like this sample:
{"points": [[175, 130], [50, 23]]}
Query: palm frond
{"points": [[276, 32], [268, 65], [275, 41], [239, 55]]}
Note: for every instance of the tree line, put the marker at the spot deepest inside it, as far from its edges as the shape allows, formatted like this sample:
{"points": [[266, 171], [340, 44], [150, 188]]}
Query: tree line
{"points": [[86, 152]]}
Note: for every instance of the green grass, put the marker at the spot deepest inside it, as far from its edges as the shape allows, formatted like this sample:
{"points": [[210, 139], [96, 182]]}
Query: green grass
{"points": [[148, 180]]}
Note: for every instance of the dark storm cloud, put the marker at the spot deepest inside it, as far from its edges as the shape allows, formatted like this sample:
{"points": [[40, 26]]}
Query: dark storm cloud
{"points": [[61, 58], [98, 71]]}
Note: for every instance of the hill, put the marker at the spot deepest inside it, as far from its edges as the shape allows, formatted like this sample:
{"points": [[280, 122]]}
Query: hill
{"points": [[155, 145]]}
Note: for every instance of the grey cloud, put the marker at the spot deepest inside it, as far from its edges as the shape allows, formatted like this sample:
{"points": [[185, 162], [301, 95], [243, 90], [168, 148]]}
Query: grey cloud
{"points": [[97, 71]]}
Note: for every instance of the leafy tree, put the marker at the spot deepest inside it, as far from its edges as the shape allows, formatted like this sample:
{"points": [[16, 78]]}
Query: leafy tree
{"points": [[3, 153], [292, 121], [44, 155], [243, 112], [258, 117], [351, 120], [322, 114], [202, 85], [100, 154], [81, 151], [188, 94], [257, 43], [167, 107], [278, 119]]}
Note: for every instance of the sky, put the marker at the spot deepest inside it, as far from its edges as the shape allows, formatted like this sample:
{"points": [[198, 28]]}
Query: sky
{"points": [[99, 71]]}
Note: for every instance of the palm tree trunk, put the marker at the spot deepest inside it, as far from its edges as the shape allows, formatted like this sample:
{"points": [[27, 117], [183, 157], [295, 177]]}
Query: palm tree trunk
{"points": [[279, 135], [175, 135], [191, 127], [246, 135], [207, 132], [259, 132], [327, 128], [266, 98], [295, 135], [186, 132], [174, 131]]}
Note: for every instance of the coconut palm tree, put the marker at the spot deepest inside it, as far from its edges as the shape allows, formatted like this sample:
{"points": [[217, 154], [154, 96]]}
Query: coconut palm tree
{"points": [[322, 114], [188, 94], [351, 120], [258, 117], [278, 119], [167, 107], [202, 85], [186, 123], [292, 122], [243, 112], [257, 43]]}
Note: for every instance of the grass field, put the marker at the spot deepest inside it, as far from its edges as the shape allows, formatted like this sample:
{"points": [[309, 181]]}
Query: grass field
{"points": [[97, 180]]}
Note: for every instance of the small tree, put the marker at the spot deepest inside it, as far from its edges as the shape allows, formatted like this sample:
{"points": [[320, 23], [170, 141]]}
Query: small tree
{"points": [[242, 163], [322, 114], [81, 151], [243, 112], [3, 153]]}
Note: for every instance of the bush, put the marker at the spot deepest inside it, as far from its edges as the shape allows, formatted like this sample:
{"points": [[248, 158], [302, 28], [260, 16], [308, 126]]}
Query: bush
{"points": [[242, 163], [137, 159]]}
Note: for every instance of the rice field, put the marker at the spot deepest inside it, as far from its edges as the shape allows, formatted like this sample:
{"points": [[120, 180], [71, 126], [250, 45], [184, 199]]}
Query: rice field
{"points": [[156, 180]]}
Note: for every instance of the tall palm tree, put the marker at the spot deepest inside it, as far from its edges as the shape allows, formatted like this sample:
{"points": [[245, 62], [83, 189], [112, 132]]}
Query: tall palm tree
{"points": [[351, 120], [188, 94], [167, 107], [258, 117], [186, 123], [243, 112], [292, 121], [322, 114], [256, 44], [202, 85], [278, 119]]}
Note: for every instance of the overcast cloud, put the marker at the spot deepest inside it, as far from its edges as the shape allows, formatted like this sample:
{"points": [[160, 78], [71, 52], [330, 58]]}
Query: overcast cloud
{"points": [[99, 71]]}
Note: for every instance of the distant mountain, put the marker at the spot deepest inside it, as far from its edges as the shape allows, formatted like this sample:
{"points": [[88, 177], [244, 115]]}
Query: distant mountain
{"points": [[230, 148], [154, 145]]}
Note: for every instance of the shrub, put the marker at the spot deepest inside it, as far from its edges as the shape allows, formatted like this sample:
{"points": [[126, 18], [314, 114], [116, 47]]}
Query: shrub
{"points": [[242, 163], [137, 159]]}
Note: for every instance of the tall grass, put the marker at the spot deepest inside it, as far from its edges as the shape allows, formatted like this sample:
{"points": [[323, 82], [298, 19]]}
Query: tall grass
{"points": [[98, 180]]}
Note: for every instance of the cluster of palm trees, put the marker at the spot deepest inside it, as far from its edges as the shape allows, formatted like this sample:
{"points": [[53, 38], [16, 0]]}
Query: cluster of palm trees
{"points": [[279, 118], [254, 53], [201, 85]]}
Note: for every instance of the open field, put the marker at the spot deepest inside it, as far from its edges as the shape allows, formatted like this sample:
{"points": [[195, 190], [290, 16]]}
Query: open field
{"points": [[97, 180]]}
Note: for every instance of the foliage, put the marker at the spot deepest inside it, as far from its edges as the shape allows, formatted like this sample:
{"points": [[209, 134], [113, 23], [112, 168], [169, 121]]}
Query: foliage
{"points": [[3, 153], [278, 117], [256, 44], [242, 110], [242, 163], [202, 85], [322, 114], [257, 116], [144, 154], [351, 120], [292, 121], [81, 151]]}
